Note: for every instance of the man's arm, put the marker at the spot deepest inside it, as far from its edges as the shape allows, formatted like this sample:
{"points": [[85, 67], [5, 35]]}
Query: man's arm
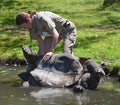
{"points": [[53, 44], [41, 50]]}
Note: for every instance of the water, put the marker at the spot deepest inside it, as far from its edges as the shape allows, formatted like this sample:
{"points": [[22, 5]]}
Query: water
{"points": [[11, 94]]}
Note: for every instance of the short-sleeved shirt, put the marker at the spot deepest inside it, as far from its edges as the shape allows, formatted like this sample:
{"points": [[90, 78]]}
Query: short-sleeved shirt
{"points": [[44, 22]]}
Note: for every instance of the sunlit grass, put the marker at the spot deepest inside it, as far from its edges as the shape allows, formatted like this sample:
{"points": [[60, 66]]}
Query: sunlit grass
{"points": [[98, 34]]}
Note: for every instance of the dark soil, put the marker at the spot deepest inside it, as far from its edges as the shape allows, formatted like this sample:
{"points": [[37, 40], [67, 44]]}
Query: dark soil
{"points": [[12, 61]]}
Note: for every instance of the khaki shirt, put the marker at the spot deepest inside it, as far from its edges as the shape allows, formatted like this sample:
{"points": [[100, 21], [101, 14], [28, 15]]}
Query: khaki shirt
{"points": [[44, 22]]}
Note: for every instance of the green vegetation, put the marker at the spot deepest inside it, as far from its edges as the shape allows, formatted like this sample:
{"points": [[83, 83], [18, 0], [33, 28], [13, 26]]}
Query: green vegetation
{"points": [[98, 28]]}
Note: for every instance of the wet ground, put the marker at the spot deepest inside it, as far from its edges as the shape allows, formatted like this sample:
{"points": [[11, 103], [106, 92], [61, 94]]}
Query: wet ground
{"points": [[107, 93]]}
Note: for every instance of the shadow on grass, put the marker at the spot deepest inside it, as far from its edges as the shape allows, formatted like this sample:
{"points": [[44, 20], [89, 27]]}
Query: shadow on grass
{"points": [[88, 41]]}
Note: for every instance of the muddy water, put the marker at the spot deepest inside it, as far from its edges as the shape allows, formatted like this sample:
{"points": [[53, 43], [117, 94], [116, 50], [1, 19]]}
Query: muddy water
{"points": [[106, 94]]}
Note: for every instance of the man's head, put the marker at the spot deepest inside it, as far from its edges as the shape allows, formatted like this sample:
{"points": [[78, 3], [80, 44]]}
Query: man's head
{"points": [[24, 19]]}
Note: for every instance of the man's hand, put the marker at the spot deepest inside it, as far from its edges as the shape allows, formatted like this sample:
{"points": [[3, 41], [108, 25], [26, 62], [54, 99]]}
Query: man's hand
{"points": [[47, 56]]}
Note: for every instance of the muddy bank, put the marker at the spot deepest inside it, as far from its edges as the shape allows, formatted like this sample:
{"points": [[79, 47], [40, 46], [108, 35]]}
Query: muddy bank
{"points": [[13, 61]]}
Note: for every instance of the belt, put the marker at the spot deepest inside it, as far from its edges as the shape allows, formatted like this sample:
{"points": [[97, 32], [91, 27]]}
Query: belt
{"points": [[66, 24]]}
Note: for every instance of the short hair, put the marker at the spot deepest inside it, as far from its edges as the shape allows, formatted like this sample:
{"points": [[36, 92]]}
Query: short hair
{"points": [[22, 17], [20, 20]]}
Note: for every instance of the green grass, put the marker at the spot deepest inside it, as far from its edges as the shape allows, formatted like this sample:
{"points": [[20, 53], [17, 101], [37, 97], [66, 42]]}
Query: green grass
{"points": [[98, 28]]}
